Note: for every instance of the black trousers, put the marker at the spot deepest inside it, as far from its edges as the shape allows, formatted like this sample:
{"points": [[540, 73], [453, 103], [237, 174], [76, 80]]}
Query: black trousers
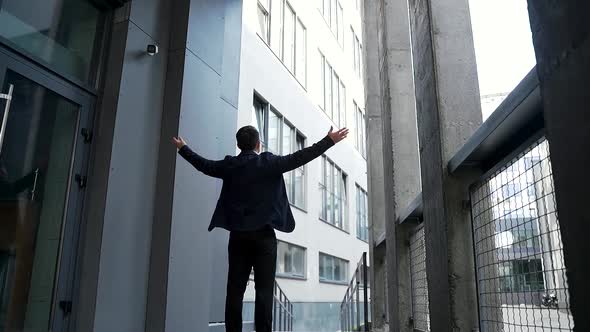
{"points": [[247, 250]]}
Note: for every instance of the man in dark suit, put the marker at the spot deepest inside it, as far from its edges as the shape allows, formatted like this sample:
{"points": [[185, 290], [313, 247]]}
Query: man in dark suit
{"points": [[253, 203]]}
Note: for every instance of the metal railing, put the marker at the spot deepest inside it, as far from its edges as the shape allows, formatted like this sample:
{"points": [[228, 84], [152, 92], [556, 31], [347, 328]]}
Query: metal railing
{"points": [[520, 269], [282, 315], [354, 310], [282, 310]]}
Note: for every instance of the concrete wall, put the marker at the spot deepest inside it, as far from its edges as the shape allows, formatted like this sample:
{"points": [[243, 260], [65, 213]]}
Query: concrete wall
{"points": [[263, 72]]}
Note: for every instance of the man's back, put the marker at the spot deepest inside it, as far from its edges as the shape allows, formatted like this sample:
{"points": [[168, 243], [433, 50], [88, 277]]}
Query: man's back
{"points": [[253, 194]]}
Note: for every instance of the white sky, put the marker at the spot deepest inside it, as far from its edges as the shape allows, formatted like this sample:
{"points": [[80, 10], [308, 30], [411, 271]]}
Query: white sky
{"points": [[503, 43]]}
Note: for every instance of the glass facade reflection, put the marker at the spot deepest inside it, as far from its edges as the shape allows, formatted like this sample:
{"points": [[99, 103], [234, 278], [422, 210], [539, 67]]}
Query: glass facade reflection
{"points": [[63, 34]]}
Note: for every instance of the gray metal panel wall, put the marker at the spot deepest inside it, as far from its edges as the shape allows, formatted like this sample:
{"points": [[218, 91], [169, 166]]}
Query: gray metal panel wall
{"points": [[128, 212], [207, 120]]}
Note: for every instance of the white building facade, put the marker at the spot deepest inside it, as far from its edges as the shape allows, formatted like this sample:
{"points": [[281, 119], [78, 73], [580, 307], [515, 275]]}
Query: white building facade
{"points": [[300, 74]]}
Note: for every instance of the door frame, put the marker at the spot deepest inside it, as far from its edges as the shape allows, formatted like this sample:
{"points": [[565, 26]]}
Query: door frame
{"points": [[66, 280]]}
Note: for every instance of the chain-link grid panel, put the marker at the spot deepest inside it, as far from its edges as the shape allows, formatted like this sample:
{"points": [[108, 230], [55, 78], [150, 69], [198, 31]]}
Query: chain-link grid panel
{"points": [[521, 276], [420, 312]]}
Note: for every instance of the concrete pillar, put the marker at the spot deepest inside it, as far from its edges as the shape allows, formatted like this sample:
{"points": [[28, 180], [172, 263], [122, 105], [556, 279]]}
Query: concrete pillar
{"points": [[394, 169], [449, 111], [372, 30], [400, 156], [560, 36]]}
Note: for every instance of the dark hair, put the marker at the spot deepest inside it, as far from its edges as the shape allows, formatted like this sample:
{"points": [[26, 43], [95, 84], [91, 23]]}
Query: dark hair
{"points": [[247, 137]]}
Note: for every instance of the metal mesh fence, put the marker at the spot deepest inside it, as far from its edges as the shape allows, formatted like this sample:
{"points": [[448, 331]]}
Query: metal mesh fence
{"points": [[420, 311], [521, 277]]}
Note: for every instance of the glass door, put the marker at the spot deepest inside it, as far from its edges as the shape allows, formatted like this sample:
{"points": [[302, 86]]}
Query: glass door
{"points": [[42, 162]]}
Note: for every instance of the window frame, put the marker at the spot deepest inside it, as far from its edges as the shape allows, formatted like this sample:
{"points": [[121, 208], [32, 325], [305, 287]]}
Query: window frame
{"points": [[297, 73], [360, 126], [288, 7], [362, 215], [357, 50], [334, 259], [280, 50], [295, 134], [331, 193], [334, 19], [302, 276], [335, 95], [266, 12]]}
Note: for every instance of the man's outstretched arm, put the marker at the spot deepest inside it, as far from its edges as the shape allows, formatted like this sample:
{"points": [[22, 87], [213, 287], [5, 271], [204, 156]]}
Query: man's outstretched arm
{"points": [[206, 166], [290, 162]]}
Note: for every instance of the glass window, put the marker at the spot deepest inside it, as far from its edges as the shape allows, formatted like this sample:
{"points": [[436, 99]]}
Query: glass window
{"points": [[335, 98], [362, 214], [299, 181], [342, 106], [333, 15], [333, 21], [333, 268], [289, 38], [334, 94], [510, 189], [287, 139], [333, 190], [531, 190], [357, 50], [259, 119], [353, 48], [274, 133], [360, 127], [287, 149], [290, 260], [326, 9], [263, 20], [521, 276], [360, 66], [301, 49], [279, 137], [340, 27], [276, 33], [323, 190], [337, 207], [323, 80], [342, 199], [64, 34], [328, 81], [356, 53]]}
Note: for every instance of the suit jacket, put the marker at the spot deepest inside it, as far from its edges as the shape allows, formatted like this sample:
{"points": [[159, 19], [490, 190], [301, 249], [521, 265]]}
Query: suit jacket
{"points": [[253, 194]]}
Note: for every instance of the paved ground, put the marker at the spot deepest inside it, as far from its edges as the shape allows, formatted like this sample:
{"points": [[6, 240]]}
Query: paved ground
{"points": [[531, 319]]}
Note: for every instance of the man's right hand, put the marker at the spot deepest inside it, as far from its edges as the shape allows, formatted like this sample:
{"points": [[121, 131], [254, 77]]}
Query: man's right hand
{"points": [[339, 135], [179, 142]]}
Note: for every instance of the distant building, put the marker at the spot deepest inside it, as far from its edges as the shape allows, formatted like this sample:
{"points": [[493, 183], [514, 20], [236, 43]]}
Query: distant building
{"points": [[490, 102], [300, 73]]}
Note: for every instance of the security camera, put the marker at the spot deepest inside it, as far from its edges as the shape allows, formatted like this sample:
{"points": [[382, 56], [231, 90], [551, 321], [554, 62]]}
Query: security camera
{"points": [[152, 50]]}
